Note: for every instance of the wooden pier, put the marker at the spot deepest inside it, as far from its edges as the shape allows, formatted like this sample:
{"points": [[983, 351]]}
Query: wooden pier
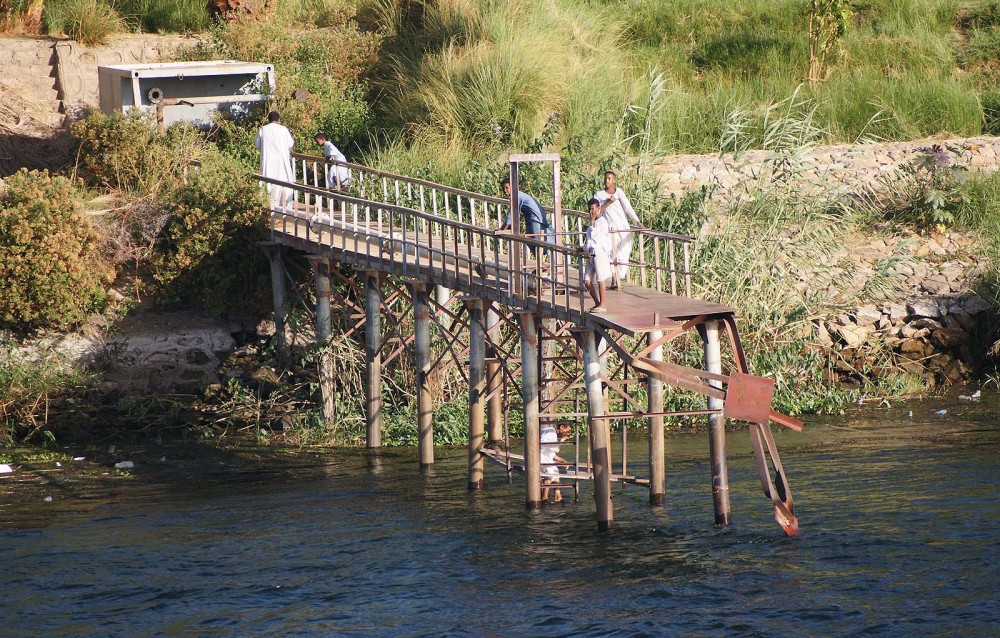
{"points": [[512, 315]]}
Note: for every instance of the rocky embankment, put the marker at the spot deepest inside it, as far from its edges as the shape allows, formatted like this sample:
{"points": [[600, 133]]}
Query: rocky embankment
{"points": [[934, 325]]}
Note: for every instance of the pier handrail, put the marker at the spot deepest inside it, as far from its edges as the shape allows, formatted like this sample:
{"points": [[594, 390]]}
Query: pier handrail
{"points": [[408, 242], [657, 251]]}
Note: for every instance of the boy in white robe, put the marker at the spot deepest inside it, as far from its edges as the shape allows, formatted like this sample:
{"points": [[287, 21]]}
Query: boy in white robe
{"points": [[275, 144], [337, 175], [549, 439], [599, 245], [619, 211]]}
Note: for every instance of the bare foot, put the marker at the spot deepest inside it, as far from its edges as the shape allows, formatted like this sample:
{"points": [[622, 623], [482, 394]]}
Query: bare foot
{"points": [[599, 309]]}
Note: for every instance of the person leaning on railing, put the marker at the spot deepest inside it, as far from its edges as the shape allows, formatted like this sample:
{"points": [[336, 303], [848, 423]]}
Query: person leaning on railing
{"points": [[535, 221]]}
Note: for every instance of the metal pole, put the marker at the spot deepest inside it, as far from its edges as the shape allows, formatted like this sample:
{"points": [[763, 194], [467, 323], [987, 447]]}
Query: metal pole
{"points": [[441, 296], [323, 325], [477, 387], [654, 388], [529, 401], [422, 357], [325, 365], [599, 453], [515, 229], [373, 361], [274, 256], [495, 380], [717, 428]]}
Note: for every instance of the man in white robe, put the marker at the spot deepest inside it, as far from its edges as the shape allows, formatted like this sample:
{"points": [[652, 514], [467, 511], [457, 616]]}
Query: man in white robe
{"points": [[619, 213], [275, 143]]}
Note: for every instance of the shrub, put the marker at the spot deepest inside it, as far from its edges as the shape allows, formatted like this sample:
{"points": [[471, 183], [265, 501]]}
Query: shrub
{"points": [[51, 270], [167, 16], [125, 152], [89, 21], [208, 251]]}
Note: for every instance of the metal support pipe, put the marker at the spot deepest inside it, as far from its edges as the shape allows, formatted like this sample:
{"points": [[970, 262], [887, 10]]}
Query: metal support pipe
{"points": [[477, 388], [529, 400], [327, 383], [422, 359], [495, 381], [654, 388], [323, 321], [600, 455], [717, 428], [441, 297], [275, 254], [373, 361]]}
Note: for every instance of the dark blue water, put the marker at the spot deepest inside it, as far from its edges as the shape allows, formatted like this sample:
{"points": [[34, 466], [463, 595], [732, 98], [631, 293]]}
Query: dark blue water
{"points": [[900, 537]]}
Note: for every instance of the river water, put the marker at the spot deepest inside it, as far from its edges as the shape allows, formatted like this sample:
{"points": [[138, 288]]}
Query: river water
{"points": [[899, 517]]}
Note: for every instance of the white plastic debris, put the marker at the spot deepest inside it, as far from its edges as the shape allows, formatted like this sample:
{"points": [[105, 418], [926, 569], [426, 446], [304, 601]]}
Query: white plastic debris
{"points": [[910, 414], [79, 458], [163, 459], [58, 464], [941, 412], [124, 465], [48, 499], [977, 395], [5, 469]]}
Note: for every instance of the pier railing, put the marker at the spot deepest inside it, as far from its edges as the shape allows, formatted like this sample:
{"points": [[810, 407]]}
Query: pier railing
{"points": [[663, 260], [512, 269]]}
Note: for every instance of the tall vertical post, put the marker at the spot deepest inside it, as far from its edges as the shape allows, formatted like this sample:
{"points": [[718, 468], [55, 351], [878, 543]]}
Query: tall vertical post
{"points": [[327, 382], [600, 454], [717, 428], [495, 382], [529, 400], [373, 360], [515, 228], [477, 389], [323, 322], [654, 390], [557, 201], [275, 254], [441, 297], [422, 359]]}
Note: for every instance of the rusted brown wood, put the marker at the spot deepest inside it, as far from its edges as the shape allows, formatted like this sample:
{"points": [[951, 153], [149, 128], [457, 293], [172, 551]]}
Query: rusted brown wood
{"points": [[373, 361], [529, 406]]}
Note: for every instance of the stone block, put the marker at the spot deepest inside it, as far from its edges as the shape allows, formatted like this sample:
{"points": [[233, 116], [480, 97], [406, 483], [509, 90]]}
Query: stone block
{"points": [[924, 308]]}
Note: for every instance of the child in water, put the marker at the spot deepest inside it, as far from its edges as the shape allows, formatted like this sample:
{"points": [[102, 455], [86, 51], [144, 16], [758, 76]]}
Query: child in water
{"points": [[598, 244]]}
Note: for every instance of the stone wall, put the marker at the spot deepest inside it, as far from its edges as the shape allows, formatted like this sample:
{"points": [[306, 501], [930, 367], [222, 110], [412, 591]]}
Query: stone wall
{"points": [[850, 168]]}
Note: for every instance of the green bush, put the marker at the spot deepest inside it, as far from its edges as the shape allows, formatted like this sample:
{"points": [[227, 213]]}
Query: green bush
{"points": [[166, 16], [125, 152], [89, 21], [51, 271], [208, 252]]}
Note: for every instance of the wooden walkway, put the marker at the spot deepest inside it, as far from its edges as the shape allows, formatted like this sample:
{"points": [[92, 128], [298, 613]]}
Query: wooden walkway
{"points": [[570, 364]]}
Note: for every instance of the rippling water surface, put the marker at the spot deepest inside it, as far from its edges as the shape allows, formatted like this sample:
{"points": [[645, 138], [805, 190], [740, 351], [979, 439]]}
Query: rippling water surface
{"points": [[900, 536]]}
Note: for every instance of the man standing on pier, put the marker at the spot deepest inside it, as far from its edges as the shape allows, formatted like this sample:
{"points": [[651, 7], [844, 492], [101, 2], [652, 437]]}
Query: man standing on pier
{"points": [[275, 143], [619, 212]]}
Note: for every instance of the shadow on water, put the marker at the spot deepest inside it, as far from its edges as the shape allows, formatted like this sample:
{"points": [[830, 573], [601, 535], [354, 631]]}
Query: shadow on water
{"points": [[899, 518]]}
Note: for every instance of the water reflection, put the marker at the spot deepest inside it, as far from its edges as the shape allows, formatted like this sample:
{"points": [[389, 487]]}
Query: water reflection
{"points": [[899, 536]]}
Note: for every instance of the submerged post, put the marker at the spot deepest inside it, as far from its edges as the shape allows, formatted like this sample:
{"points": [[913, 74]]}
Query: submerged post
{"points": [[493, 372], [529, 401], [373, 360], [654, 389], [422, 359], [477, 388], [599, 452], [275, 253], [717, 428]]}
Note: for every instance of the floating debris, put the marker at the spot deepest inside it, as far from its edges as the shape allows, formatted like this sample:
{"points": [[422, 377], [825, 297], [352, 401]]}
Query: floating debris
{"points": [[5, 469], [47, 499], [941, 412], [124, 465]]}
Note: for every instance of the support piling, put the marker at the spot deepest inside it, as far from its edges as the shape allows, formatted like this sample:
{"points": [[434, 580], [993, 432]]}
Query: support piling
{"points": [[477, 388], [275, 256], [600, 455], [654, 389], [494, 381], [529, 400], [717, 427], [422, 360], [373, 360]]}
